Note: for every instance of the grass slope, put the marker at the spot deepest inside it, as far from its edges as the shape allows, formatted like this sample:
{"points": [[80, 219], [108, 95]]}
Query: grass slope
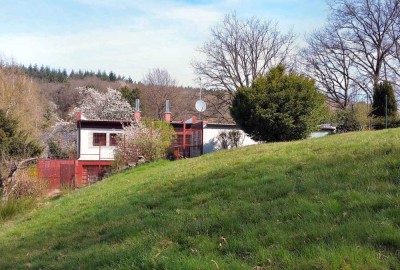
{"points": [[328, 203]]}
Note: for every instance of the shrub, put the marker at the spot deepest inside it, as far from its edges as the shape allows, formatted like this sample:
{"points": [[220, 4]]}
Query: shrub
{"points": [[149, 139], [11, 207], [55, 150], [355, 119], [27, 186], [380, 123], [279, 107]]}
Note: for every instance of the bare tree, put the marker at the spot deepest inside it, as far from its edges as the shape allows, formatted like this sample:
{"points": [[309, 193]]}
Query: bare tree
{"points": [[160, 87], [240, 50], [327, 61], [371, 32]]}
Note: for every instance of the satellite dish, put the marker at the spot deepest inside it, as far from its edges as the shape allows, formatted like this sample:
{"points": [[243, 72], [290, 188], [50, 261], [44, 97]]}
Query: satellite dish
{"points": [[200, 106]]}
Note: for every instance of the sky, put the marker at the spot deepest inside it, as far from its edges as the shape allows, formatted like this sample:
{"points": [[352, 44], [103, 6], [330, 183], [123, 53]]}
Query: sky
{"points": [[131, 37]]}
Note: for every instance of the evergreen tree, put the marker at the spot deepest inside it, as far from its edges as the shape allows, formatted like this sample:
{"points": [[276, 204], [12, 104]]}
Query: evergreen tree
{"points": [[14, 145], [382, 90], [279, 107], [112, 77], [130, 95], [30, 69], [104, 76]]}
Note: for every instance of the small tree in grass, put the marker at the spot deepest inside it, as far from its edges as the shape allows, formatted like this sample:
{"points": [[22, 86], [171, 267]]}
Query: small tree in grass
{"points": [[148, 138], [279, 107]]}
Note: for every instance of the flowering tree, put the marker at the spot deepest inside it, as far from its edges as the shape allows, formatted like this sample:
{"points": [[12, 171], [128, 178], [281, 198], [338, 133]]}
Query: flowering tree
{"points": [[108, 105], [62, 135], [94, 105], [148, 138]]}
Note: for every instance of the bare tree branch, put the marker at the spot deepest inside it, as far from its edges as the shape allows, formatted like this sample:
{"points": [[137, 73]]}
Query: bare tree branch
{"points": [[160, 87], [6, 182], [356, 50], [239, 51]]}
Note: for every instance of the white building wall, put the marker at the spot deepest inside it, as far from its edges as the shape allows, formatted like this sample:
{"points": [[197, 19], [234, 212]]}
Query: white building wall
{"points": [[210, 134], [90, 152]]}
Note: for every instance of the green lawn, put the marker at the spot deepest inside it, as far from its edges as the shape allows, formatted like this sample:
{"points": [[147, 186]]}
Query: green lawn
{"points": [[328, 203]]}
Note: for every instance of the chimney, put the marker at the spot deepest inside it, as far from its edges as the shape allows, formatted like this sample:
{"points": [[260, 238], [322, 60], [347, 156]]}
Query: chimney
{"points": [[136, 114], [167, 114], [194, 119], [78, 116]]}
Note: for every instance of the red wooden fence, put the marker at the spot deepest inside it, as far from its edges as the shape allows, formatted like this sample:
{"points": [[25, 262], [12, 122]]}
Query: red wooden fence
{"points": [[57, 172]]}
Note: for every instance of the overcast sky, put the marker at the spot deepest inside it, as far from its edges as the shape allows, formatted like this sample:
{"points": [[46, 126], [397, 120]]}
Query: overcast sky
{"points": [[130, 37]]}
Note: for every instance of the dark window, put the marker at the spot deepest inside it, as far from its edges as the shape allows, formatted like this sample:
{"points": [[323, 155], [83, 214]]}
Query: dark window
{"points": [[113, 139], [99, 139], [179, 140], [188, 139]]}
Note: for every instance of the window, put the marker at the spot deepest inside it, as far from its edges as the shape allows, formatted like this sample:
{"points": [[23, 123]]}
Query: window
{"points": [[179, 140], [99, 139], [113, 139]]}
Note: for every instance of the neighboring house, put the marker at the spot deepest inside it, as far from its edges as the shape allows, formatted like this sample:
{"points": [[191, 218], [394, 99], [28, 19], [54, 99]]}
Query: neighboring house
{"points": [[211, 132], [189, 141]]}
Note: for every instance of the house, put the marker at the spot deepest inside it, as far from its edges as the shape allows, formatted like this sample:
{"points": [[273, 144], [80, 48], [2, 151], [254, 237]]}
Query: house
{"points": [[211, 132], [96, 142]]}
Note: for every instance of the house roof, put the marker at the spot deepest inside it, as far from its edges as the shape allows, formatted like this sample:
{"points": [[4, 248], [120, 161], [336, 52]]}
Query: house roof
{"points": [[220, 125], [114, 124]]}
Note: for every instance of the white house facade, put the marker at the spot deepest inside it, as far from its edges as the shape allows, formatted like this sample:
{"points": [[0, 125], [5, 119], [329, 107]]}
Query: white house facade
{"points": [[211, 132]]}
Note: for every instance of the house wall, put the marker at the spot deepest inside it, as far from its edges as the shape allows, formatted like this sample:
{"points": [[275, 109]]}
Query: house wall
{"points": [[210, 134], [90, 152]]}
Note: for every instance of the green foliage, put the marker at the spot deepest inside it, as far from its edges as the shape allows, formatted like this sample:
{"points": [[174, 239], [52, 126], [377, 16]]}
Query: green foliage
{"points": [[55, 151], [12, 207], [379, 100], [327, 203], [149, 138], [161, 133], [347, 121], [13, 142], [112, 77], [279, 107], [130, 95], [52, 75], [379, 123], [355, 119]]}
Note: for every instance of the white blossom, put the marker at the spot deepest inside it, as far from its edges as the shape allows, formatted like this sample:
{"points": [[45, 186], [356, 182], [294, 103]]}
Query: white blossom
{"points": [[102, 106]]}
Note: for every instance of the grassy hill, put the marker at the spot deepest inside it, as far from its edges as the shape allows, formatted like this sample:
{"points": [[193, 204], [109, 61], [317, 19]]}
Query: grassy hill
{"points": [[328, 203]]}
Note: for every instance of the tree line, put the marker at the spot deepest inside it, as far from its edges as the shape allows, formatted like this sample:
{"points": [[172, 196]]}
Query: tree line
{"points": [[61, 75]]}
